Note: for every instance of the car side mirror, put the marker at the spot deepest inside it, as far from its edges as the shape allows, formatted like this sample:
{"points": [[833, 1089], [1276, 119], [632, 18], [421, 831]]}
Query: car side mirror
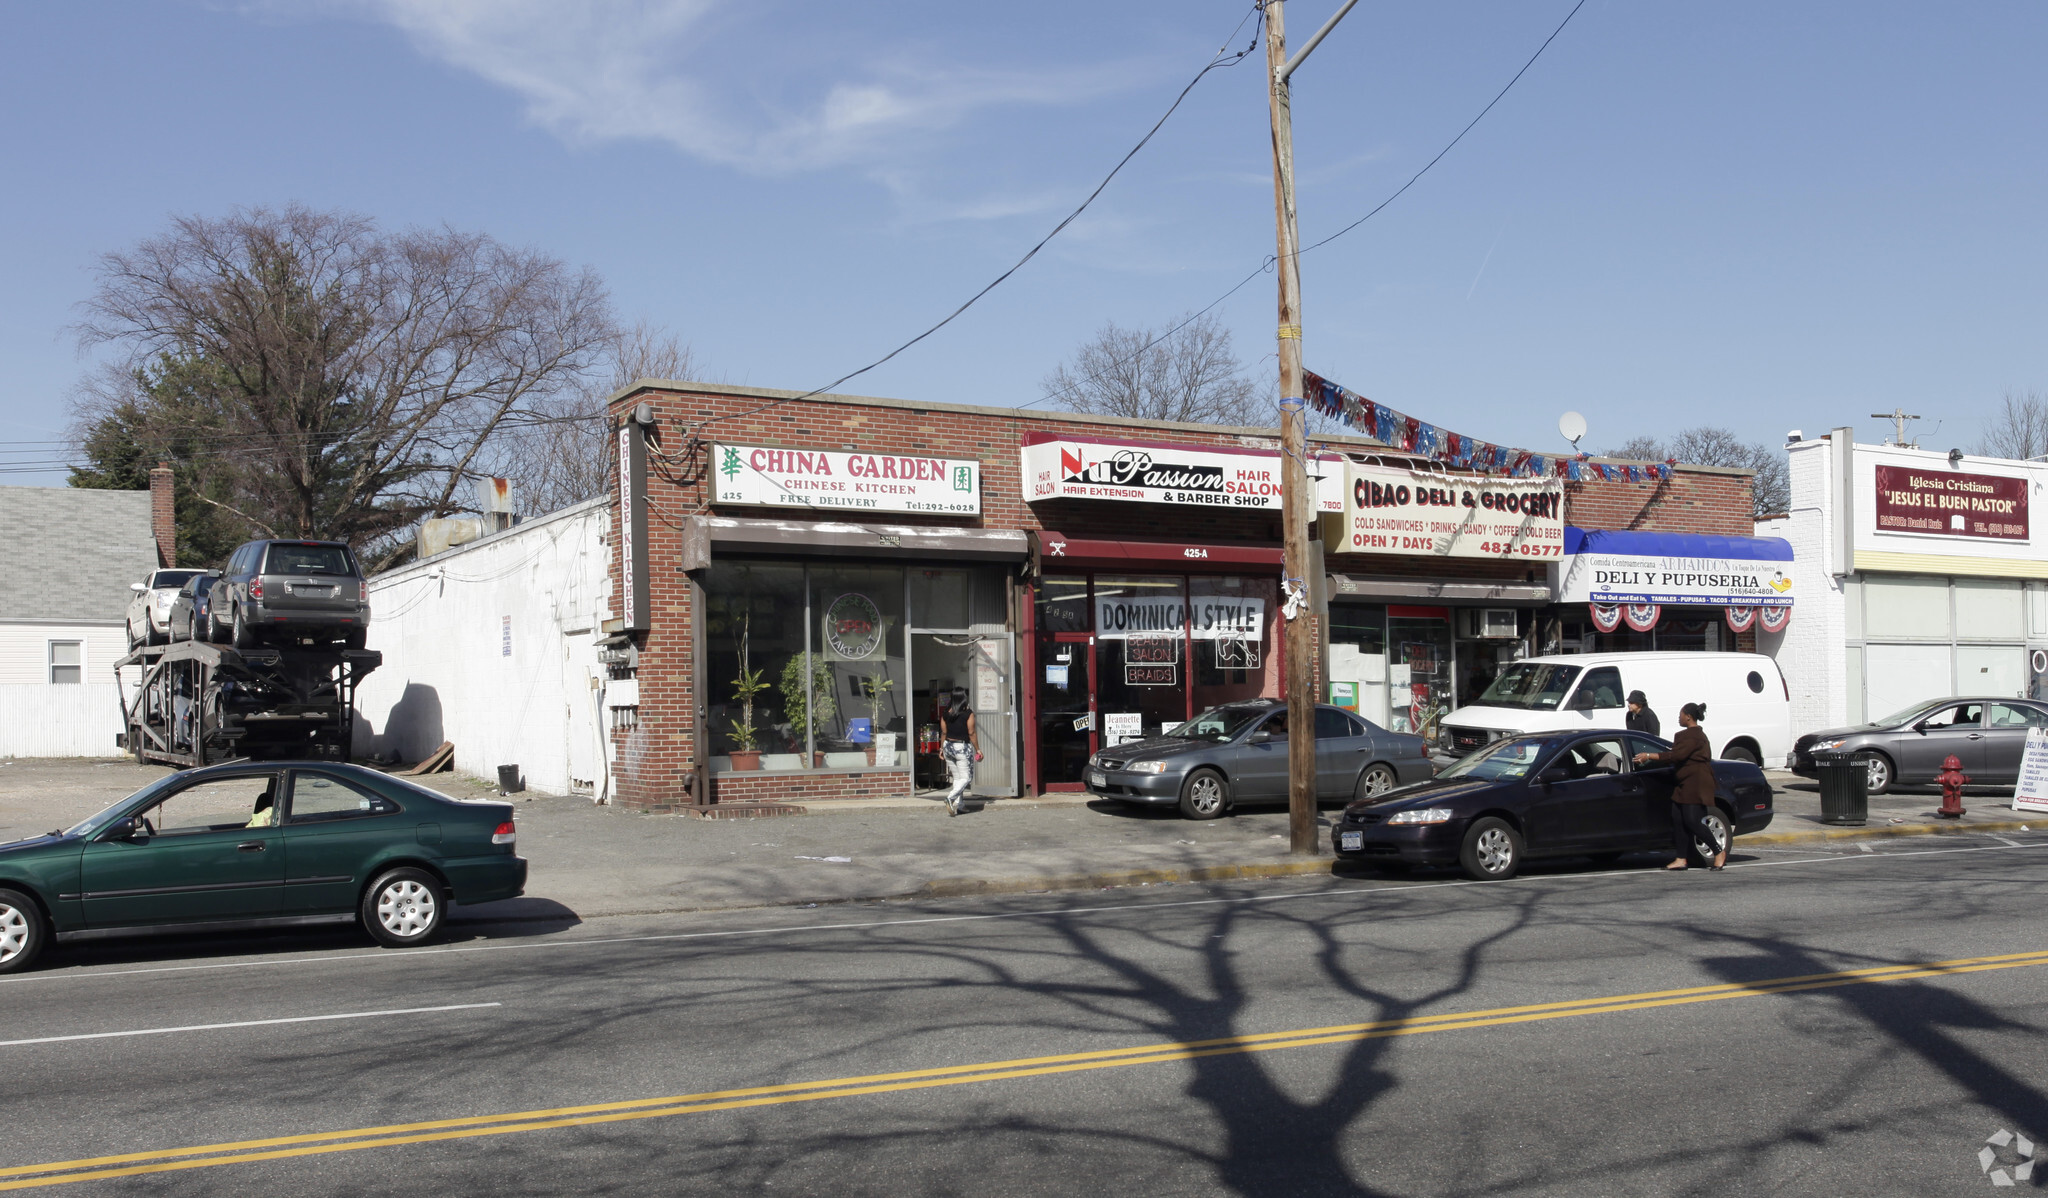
{"points": [[1921, 727], [126, 828], [1581, 702], [1554, 775], [136, 586], [1261, 737]]}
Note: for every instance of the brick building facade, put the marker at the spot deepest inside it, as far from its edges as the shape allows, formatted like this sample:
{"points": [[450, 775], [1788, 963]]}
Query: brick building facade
{"points": [[678, 742]]}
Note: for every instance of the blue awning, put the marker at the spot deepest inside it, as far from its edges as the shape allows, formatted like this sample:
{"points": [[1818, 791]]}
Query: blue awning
{"points": [[1676, 544]]}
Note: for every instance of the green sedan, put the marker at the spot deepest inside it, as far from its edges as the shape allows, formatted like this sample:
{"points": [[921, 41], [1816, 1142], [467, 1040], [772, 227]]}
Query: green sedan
{"points": [[258, 845]]}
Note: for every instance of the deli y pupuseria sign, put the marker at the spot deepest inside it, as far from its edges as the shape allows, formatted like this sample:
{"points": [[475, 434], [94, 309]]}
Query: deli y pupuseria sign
{"points": [[1948, 503], [1176, 474], [817, 478], [1391, 510]]}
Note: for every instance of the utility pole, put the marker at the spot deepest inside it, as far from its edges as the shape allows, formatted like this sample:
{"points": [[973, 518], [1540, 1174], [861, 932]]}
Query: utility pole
{"points": [[1898, 417], [1297, 499]]}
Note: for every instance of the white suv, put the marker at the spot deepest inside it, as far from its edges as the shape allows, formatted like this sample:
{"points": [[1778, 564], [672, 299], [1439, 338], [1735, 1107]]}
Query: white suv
{"points": [[149, 613]]}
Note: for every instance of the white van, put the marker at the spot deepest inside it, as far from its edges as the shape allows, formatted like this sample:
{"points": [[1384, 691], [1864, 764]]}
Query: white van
{"points": [[1749, 706]]}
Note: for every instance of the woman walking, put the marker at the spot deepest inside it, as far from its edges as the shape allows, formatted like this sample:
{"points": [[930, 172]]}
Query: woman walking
{"points": [[1693, 797], [958, 750]]}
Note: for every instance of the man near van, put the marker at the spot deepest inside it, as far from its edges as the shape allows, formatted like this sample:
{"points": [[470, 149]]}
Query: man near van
{"points": [[1640, 717]]}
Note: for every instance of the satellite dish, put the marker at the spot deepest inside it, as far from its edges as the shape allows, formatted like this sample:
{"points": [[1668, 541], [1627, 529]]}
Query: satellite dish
{"points": [[1572, 426]]}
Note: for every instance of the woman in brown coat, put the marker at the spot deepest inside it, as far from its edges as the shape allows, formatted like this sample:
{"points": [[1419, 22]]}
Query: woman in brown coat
{"points": [[1693, 797]]}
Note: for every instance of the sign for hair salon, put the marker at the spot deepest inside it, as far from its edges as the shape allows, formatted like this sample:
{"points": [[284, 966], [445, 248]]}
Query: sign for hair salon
{"points": [[1182, 475], [1949, 503], [1388, 509], [820, 478]]}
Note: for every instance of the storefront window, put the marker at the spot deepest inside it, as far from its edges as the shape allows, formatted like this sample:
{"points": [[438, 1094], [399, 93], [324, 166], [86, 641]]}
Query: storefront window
{"points": [[1231, 627], [857, 614], [1418, 667], [754, 636], [1141, 655], [1063, 603], [1358, 658]]}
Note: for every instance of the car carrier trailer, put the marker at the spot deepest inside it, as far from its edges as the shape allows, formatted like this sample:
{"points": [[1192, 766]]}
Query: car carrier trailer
{"points": [[193, 703]]}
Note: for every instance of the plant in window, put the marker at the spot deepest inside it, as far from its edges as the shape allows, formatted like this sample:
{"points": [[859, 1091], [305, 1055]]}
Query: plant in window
{"points": [[878, 689], [809, 708], [746, 754]]}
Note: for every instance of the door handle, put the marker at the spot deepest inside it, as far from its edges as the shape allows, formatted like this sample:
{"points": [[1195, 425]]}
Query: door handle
{"points": [[249, 846], [1976, 736]]}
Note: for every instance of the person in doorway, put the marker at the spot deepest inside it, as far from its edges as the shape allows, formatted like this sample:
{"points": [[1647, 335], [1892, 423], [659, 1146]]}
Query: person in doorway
{"points": [[1640, 717], [957, 722], [1693, 797]]}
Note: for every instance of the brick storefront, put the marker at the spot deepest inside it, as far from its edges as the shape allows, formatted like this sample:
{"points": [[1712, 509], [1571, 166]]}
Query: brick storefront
{"points": [[657, 758]]}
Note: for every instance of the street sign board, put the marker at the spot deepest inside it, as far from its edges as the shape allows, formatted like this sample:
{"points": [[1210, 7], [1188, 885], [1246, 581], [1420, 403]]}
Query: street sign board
{"points": [[2031, 794]]}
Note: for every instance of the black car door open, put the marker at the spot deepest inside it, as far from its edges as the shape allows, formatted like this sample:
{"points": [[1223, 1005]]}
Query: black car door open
{"points": [[1586, 799]]}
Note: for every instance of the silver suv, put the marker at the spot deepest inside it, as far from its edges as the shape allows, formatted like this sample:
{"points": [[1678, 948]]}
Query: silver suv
{"points": [[289, 592]]}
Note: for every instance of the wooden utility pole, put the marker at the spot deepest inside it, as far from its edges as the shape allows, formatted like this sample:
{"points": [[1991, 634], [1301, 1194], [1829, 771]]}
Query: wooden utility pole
{"points": [[1297, 499]]}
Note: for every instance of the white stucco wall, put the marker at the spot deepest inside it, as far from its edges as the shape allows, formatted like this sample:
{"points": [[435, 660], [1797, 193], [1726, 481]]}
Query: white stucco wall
{"points": [[1811, 651], [491, 646], [39, 718]]}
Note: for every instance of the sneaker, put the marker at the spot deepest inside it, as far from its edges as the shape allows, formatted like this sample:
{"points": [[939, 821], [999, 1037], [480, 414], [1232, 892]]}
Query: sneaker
{"points": [[952, 806]]}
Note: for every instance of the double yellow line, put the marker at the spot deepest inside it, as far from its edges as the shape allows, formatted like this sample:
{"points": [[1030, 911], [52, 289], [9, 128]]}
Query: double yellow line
{"points": [[207, 1156]]}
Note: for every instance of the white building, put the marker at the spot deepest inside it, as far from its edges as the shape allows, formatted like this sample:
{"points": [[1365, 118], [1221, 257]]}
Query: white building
{"points": [[67, 557], [1929, 578], [492, 646]]}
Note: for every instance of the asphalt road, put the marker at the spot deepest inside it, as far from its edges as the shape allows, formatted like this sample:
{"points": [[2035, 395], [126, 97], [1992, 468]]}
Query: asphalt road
{"points": [[1785, 1027]]}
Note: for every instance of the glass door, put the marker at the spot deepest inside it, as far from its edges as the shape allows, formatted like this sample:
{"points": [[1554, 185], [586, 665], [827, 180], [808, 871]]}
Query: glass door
{"points": [[1066, 711]]}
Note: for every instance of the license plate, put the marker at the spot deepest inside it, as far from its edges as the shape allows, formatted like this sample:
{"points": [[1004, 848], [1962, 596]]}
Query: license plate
{"points": [[1351, 841], [1096, 778]]}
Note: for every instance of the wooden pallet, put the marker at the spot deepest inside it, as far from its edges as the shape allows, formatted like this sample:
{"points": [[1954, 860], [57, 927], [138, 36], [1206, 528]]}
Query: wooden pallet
{"points": [[442, 758]]}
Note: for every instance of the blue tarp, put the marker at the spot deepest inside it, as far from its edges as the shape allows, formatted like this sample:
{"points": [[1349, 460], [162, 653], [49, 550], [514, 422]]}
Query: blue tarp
{"points": [[1676, 544]]}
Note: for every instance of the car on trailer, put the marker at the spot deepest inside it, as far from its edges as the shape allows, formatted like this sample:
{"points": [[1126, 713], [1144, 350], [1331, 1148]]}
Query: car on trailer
{"points": [[191, 607], [289, 593], [248, 845], [149, 613]]}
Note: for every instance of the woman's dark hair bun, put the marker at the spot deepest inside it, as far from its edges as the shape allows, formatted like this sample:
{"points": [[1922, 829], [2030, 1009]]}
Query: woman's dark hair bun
{"points": [[1697, 711]]}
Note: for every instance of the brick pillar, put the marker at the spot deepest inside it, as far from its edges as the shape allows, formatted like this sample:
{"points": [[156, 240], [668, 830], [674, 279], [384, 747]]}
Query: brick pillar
{"points": [[163, 521]]}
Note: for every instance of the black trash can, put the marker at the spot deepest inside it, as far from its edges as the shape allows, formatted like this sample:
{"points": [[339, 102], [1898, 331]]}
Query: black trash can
{"points": [[1844, 789], [508, 780]]}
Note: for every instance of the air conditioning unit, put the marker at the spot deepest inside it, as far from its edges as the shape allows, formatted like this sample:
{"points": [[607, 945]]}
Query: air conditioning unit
{"points": [[1495, 623]]}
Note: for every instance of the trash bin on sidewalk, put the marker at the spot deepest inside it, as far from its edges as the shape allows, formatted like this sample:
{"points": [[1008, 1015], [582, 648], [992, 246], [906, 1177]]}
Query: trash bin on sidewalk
{"points": [[1844, 789]]}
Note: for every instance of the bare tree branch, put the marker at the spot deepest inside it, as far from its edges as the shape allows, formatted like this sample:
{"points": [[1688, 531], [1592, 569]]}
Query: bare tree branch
{"points": [[2020, 428], [1191, 376]]}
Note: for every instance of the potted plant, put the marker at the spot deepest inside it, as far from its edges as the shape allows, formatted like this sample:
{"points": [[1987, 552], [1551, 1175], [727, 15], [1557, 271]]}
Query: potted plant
{"points": [[746, 752], [878, 693], [809, 708]]}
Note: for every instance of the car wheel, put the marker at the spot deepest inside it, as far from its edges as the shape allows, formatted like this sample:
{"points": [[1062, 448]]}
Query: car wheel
{"points": [[1879, 773], [1741, 753], [23, 931], [1492, 852], [1377, 780], [403, 907], [1715, 841], [240, 633], [1204, 795]]}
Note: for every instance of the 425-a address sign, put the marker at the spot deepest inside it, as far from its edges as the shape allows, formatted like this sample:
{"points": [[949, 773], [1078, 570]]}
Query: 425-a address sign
{"points": [[828, 479]]}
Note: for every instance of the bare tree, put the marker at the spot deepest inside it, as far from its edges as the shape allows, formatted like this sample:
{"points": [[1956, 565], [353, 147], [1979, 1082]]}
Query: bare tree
{"points": [[349, 380], [2019, 430], [1190, 375], [1771, 489]]}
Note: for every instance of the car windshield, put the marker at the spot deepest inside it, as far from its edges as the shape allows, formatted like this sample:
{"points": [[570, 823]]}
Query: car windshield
{"points": [[1505, 759], [95, 822], [307, 559], [170, 580], [1533, 685], [1220, 724], [1906, 715]]}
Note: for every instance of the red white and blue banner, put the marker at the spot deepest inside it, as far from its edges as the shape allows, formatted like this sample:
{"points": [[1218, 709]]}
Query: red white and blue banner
{"points": [[1410, 435]]}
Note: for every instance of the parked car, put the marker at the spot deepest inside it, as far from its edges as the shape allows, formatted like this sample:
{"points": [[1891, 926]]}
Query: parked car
{"points": [[1559, 794], [1907, 748], [290, 591], [1236, 754], [190, 606], [1749, 706], [149, 613], [258, 845]]}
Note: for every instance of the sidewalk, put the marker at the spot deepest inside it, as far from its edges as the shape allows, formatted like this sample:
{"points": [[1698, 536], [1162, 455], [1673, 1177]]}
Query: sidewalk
{"points": [[589, 861]]}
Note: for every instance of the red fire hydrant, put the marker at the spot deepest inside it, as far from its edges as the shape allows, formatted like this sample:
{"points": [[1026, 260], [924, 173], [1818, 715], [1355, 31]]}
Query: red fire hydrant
{"points": [[1951, 778]]}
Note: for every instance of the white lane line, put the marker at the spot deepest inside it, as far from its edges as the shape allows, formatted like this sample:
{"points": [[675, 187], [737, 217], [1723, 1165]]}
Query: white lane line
{"points": [[1049, 913], [214, 1027]]}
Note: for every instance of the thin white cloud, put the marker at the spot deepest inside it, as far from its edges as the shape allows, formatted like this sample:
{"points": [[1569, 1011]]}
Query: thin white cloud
{"points": [[704, 78]]}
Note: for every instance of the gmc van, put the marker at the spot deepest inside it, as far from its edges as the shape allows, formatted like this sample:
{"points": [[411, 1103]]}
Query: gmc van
{"points": [[1749, 706]]}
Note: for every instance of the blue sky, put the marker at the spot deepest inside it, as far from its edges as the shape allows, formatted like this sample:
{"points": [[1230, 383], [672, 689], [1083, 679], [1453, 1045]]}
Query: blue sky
{"points": [[1762, 216]]}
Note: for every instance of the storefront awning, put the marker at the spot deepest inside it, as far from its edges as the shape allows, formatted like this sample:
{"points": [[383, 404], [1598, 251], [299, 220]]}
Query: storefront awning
{"points": [[1502, 594], [705, 536], [1054, 551], [1618, 566]]}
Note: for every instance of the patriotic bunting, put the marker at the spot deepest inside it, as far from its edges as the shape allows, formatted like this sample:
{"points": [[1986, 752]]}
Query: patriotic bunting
{"points": [[1406, 433]]}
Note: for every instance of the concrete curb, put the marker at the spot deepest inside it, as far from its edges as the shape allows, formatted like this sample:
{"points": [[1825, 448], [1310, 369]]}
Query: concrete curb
{"points": [[1242, 872]]}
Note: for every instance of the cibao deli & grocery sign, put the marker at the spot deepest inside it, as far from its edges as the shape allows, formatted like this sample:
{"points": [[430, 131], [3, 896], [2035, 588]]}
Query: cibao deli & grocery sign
{"points": [[818, 478], [1391, 510], [1950, 504]]}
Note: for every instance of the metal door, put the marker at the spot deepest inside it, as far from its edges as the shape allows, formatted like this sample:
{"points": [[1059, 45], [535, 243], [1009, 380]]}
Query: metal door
{"points": [[1066, 709]]}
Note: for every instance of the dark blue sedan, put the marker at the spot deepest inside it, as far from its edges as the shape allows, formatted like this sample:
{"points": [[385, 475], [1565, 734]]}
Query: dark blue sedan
{"points": [[1566, 794]]}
